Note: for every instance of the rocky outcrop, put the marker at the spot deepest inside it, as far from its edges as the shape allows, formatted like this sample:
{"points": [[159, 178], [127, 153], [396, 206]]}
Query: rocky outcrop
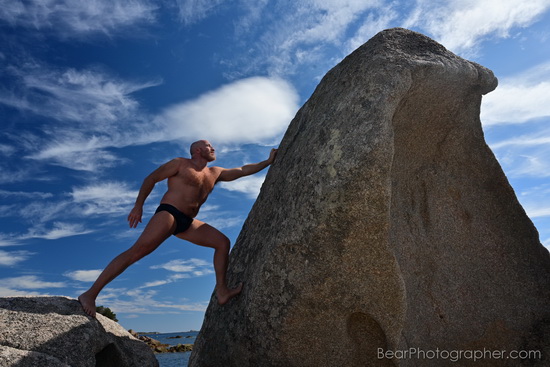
{"points": [[385, 224], [55, 332], [158, 347]]}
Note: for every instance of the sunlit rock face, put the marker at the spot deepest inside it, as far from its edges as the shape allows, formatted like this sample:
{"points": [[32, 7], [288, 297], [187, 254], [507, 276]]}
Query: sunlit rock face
{"points": [[385, 224], [55, 332]]}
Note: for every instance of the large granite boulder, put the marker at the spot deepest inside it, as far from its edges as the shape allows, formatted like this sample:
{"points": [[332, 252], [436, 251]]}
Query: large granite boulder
{"points": [[55, 332], [385, 225]]}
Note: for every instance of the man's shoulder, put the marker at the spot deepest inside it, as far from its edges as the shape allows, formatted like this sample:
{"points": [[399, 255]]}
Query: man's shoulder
{"points": [[181, 160], [216, 169]]}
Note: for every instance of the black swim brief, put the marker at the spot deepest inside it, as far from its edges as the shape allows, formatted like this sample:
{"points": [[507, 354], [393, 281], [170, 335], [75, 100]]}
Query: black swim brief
{"points": [[183, 221]]}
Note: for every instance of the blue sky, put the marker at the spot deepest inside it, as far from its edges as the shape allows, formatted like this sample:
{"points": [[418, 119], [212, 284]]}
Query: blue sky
{"points": [[96, 94]]}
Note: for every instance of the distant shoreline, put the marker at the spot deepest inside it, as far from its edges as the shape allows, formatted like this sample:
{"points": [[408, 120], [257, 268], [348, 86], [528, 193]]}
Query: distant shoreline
{"points": [[169, 332]]}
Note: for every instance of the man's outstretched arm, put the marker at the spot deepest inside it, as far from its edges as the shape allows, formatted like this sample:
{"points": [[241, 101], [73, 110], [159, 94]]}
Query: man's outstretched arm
{"points": [[246, 170], [166, 170]]}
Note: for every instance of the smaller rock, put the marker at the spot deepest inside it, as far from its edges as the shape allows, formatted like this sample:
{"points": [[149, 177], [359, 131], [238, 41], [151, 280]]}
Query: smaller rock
{"points": [[181, 348]]}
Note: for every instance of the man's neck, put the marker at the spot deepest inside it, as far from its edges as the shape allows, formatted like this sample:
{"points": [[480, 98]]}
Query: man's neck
{"points": [[199, 162]]}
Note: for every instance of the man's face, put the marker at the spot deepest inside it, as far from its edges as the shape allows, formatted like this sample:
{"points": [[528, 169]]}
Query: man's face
{"points": [[207, 151]]}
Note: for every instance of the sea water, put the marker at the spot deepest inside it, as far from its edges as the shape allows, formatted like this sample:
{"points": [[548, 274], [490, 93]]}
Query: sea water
{"points": [[174, 359]]}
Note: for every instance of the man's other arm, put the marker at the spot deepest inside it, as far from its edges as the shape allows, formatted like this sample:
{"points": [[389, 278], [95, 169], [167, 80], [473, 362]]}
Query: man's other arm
{"points": [[163, 172], [246, 170]]}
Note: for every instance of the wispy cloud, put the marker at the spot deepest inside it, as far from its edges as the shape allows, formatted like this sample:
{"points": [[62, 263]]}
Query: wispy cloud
{"points": [[58, 230], [305, 33], [26, 286], [184, 268], [26, 195], [92, 111], [524, 155], [39, 231], [191, 266], [104, 198], [83, 275], [536, 201], [460, 25], [250, 185], [9, 292], [7, 150], [95, 112], [10, 258], [518, 98], [139, 301], [52, 217], [192, 11], [89, 95], [310, 33], [29, 282], [71, 19]]}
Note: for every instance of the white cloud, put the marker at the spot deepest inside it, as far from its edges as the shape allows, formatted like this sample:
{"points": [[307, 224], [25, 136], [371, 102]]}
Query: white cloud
{"points": [[76, 151], [76, 18], [29, 282], [249, 185], [140, 301], [104, 198], [8, 292], [94, 111], [374, 23], [184, 269], [83, 275], [305, 34], [91, 96], [58, 230], [524, 155], [155, 283], [536, 201], [9, 258], [524, 141], [39, 231], [222, 220], [184, 266], [537, 211], [518, 99], [192, 11], [253, 110], [7, 150], [460, 25], [328, 19], [26, 195]]}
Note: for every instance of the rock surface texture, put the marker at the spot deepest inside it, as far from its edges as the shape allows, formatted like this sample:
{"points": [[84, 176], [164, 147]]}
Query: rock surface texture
{"points": [[55, 332], [386, 223]]}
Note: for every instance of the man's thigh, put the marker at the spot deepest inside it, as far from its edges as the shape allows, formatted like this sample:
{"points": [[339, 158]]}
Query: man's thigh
{"points": [[203, 234], [160, 227]]}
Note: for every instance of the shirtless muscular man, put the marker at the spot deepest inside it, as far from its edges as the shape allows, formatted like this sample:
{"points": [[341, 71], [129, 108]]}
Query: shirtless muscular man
{"points": [[190, 182]]}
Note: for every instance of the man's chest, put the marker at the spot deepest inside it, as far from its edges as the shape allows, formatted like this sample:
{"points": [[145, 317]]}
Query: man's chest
{"points": [[205, 178]]}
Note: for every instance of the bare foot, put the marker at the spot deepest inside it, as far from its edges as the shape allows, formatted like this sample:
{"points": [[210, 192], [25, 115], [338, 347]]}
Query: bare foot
{"points": [[224, 294], [88, 303]]}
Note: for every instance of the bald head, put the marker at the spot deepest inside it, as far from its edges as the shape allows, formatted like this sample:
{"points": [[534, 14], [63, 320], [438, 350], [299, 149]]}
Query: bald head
{"points": [[194, 146], [204, 149]]}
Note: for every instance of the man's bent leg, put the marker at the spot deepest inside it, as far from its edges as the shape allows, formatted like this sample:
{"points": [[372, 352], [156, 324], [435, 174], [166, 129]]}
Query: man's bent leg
{"points": [[203, 234], [159, 228]]}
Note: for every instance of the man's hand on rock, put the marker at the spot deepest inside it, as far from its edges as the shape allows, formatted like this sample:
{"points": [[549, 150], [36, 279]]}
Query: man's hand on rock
{"points": [[272, 155]]}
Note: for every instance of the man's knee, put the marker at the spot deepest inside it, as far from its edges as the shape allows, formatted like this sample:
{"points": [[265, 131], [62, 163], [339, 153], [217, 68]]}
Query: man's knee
{"points": [[224, 244], [138, 252]]}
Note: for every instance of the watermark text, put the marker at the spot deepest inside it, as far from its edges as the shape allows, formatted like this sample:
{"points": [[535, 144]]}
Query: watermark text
{"points": [[457, 355]]}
